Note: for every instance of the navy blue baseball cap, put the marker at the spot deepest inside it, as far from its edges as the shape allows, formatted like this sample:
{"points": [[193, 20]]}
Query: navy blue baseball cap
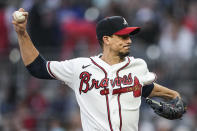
{"points": [[114, 25]]}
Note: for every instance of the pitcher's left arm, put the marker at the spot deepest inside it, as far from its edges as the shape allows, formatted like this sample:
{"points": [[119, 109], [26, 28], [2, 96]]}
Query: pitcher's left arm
{"points": [[163, 92]]}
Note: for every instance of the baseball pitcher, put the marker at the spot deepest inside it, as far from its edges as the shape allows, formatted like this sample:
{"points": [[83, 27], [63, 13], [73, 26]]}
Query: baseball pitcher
{"points": [[109, 86]]}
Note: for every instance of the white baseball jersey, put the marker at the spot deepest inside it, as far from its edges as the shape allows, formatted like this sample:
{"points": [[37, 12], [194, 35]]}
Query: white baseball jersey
{"points": [[109, 96]]}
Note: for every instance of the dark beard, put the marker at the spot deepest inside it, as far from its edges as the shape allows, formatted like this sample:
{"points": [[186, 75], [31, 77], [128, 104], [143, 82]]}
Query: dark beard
{"points": [[123, 55]]}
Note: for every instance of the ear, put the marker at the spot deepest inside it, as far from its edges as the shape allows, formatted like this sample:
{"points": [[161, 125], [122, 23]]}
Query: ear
{"points": [[106, 39]]}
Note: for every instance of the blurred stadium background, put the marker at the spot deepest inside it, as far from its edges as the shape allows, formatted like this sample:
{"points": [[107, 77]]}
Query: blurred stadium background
{"points": [[64, 29]]}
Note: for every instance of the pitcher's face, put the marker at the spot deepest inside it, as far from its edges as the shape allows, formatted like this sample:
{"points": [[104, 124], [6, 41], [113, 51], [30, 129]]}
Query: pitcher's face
{"points": [[121, 44]]}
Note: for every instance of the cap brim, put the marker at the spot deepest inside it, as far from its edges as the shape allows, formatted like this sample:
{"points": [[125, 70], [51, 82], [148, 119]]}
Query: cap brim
{"points": [[128, 30]]}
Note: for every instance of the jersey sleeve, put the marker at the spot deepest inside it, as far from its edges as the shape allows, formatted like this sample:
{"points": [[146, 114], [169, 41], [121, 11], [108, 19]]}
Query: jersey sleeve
{"points": [[147, 77], [61, 71]]}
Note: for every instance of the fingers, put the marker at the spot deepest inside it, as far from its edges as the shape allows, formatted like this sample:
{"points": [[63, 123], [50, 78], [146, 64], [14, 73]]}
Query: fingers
{"points": [[21, 10], [14, 22], [25, 13], [18, 26], [21, 25]]}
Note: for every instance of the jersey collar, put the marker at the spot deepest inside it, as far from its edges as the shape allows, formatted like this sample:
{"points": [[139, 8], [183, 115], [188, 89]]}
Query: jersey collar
{"points": [[106, 66]]}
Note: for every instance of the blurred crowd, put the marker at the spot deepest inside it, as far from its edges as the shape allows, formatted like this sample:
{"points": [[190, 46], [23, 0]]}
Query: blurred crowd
{"points": [[65, 29]]}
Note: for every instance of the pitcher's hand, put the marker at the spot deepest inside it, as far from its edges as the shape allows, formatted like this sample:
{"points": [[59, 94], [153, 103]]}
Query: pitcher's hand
{"points": [[20, 28]]}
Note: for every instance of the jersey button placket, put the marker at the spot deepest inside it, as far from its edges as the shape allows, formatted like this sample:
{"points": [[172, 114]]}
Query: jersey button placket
{"points": [[114, 112], [113, 105]]}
